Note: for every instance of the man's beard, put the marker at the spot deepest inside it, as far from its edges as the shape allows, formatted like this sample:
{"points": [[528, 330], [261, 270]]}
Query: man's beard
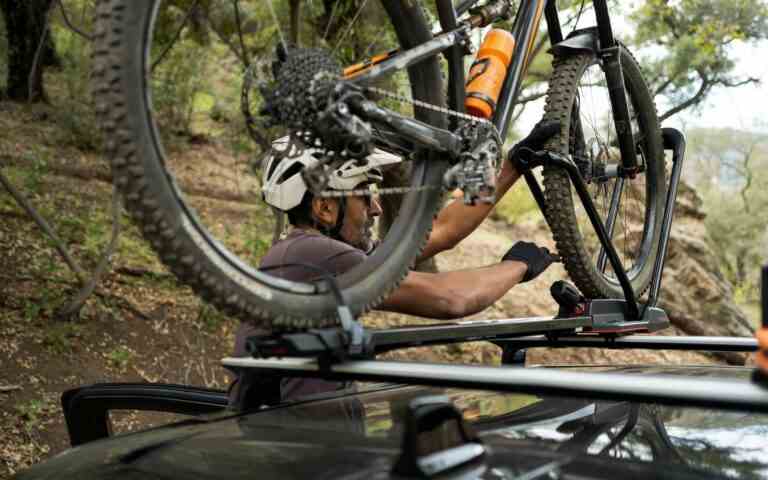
{"points": [[367, 243]]}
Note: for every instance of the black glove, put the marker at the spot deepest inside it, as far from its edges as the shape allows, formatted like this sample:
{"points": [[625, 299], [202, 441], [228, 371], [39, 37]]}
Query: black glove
{"points": [[521, 156], [537, 258]]}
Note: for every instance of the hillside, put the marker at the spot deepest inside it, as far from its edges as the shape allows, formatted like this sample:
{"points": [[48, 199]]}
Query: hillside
{"points": [[141, 325]]}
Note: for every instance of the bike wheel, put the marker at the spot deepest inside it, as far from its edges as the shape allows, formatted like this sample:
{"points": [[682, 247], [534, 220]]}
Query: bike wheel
{"points": [[578, 98], [199, 207]]}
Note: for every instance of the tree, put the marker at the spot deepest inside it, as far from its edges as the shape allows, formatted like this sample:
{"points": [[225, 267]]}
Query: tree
{"points": [[694, 38], [28, 49], [733, 176]]}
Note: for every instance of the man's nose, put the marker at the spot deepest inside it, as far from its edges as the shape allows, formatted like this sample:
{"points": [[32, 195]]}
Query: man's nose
{"points": [[375, 209]]}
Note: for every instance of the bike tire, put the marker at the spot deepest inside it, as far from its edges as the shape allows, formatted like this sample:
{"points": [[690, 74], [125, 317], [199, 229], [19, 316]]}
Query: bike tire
{"points": [[123, 103], [562, 212]]}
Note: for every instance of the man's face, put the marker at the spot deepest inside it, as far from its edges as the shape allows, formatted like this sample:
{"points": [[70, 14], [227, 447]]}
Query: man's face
{"points": [[360, 214]]}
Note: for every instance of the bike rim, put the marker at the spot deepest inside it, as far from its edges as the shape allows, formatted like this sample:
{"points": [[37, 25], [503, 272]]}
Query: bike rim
{"points": [[234, 238], [636, 211]]}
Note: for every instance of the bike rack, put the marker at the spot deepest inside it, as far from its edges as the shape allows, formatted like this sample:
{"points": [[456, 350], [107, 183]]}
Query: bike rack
{"points": [[628, 308]]}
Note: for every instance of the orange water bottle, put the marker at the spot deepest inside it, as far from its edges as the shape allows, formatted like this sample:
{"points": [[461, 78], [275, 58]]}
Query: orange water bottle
{"points": [[486, 77]]}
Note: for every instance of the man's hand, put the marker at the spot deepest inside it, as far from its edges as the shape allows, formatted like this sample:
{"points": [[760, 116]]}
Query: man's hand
{"points": [[537, 258], [520, 156]]}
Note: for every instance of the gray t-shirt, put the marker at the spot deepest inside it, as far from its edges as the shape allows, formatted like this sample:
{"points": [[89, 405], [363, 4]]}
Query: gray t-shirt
{"points": [[300, 246]]}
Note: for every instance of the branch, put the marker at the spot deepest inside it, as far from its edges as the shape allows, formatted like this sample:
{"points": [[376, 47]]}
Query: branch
{"points": [[728, 83], [69, 24], [79, 300], [176, 37], [225, 41], [696, 98], [126, 304], [45, 227], [240, 33], [530, 98], [36, 60], [517, 114], [663, 86], [295, 6]]}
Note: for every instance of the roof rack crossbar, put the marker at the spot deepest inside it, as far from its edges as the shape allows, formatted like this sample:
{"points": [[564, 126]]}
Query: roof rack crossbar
{"points": [[662, 389], [653, 342]]}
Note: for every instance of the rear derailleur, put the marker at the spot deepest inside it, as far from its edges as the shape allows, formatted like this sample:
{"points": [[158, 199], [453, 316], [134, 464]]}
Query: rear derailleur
{"points": [[475, 171]]}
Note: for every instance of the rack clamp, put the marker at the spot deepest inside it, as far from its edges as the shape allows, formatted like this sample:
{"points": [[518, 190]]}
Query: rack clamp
{"points": [[328, 345]]}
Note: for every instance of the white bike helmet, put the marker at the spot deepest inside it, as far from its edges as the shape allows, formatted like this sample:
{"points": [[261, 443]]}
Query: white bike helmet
{"points": [[284, 187]]}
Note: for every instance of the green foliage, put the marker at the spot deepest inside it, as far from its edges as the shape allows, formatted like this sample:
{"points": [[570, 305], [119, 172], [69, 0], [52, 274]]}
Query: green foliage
{"points": [[209, 318], [518, 205], [44, 305], [730, 170], [60, 337], [177, 87], [32, 412], [257, 241], [120, 357], [33, 174], [69, 86]]}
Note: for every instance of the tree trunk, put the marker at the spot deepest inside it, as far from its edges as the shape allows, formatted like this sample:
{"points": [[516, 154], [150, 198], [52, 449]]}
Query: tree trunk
{"points": [[25, 22]]}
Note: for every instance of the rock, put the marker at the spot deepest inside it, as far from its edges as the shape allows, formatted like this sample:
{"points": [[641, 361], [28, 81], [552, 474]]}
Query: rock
{"points": [[695, 294]]}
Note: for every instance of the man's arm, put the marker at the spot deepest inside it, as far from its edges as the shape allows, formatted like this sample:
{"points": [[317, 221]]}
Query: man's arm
{"points": [[458, 294], [448, 295], [456, 220]]}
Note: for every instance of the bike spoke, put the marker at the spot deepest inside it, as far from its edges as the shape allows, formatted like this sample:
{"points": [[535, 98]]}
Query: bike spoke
{"points": [[272, 12], [349, 27]]}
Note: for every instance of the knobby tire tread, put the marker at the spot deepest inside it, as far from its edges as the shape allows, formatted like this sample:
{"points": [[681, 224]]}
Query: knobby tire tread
{"points": [[159, 219], [559, 202]]}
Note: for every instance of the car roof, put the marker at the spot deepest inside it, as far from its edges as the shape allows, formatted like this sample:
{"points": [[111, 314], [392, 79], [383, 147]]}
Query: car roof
{"points": [[360, 434]]}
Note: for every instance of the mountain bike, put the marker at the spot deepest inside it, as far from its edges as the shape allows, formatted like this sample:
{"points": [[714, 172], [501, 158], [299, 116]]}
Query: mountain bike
{"points": [[347, 76]]}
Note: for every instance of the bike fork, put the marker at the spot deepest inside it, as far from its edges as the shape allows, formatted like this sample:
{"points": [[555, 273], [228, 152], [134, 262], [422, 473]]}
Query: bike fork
{"points": [[611, 56]]}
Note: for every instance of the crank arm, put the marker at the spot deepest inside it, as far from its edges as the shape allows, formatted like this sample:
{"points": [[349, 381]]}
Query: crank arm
{"points": [[420, 133]]}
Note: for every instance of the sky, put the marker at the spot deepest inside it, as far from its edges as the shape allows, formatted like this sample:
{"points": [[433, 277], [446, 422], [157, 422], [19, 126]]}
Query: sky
{"points": [[744, 108]]}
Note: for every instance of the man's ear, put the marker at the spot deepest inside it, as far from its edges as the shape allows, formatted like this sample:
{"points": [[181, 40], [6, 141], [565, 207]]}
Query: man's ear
{"points": [[325, 210]]}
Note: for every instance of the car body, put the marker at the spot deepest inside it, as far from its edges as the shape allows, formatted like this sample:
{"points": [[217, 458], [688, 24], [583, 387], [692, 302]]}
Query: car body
{"points": [[363, 435]]}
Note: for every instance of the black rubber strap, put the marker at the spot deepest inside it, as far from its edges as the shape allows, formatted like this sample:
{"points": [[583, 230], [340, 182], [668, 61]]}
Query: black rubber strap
{"points": [[484, 98]]}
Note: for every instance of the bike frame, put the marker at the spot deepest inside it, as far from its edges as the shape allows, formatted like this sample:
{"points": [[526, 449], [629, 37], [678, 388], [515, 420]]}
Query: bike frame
{"points": [[453, 42]]}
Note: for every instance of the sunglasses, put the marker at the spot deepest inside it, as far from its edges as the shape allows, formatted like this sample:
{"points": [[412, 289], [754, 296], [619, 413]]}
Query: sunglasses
{"points": [[372, 196]]}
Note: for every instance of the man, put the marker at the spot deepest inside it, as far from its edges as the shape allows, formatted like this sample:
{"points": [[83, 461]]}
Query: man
{"points": [[335, 234]]}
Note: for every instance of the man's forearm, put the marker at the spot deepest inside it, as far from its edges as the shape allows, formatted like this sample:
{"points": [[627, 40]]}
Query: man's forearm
{"points": [[479, 289], [449, 295], [456, 220]]}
